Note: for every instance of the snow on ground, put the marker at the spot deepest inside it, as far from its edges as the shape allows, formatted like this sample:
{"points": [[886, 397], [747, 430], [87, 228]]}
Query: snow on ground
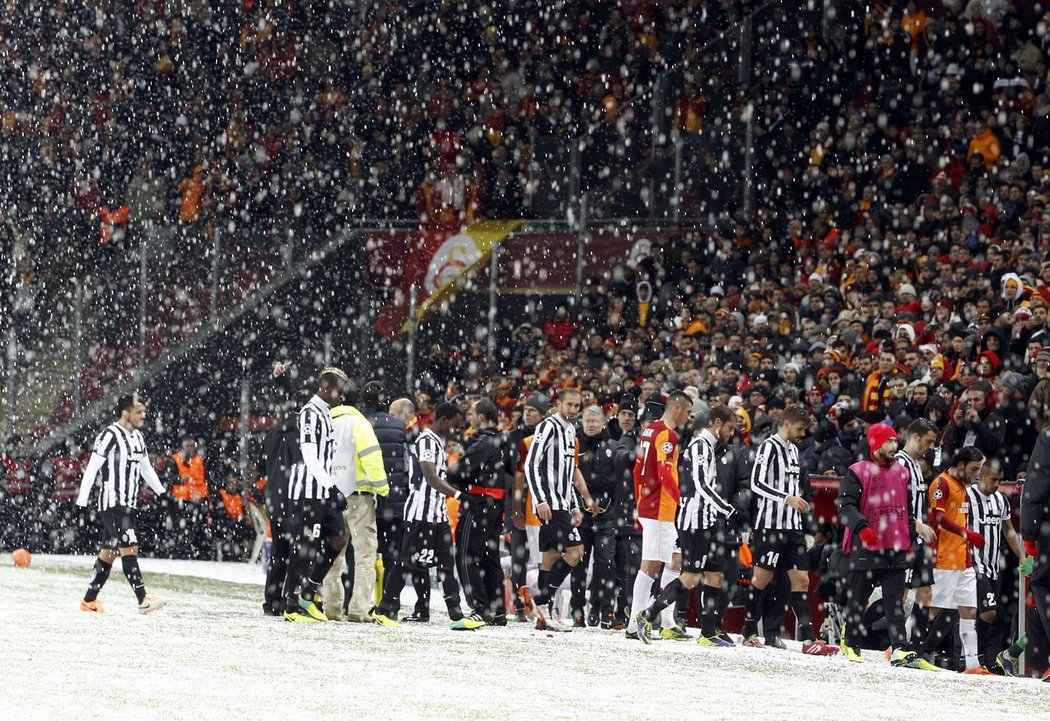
{"points": [[211, 654]]}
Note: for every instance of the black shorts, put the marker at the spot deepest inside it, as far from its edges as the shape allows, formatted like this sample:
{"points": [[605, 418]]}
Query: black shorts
{"points": [[703, 550], [772, 549], [118, 525], [558, 534], [426, 544], [920, 573], [314, 519], [987, 593]]}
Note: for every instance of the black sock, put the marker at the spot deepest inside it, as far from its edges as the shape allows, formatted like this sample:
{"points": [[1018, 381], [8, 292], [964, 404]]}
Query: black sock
{"points": [[752, 610], [323, 563], [421, 584], [803, 615], [542, 585], [131, 570], [681, 605], [939, 628], [557, 575], [98, 580], [709, 617], [922, 624], [669, 595]]}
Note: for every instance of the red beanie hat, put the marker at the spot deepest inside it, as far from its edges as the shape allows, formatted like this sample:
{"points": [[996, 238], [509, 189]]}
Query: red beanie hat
{"points": [[993, 358], [878, 434]]}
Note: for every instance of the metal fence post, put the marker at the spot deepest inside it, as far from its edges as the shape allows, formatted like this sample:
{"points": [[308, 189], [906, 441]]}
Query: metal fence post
{"points": [[410, 349], [143, 252], [493, 301], [78, 344]]}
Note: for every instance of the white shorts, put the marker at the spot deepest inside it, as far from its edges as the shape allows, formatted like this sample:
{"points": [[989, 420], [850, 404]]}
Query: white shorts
{"points": [[532, 538], [952, 589], [658, 540]]}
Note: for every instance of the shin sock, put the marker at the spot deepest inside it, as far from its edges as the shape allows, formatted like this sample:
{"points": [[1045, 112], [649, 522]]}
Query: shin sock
{"points": [[643, 584], [131, 570], [98, 580]]}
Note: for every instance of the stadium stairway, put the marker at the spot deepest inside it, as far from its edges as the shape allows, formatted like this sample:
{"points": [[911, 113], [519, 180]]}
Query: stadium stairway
{"points": [[41, 384], [61, 424]]}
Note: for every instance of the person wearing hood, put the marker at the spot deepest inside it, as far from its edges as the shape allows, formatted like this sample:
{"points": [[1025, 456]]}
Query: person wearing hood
{"points": [[1011, 292], [828, 457], [879, 526]]}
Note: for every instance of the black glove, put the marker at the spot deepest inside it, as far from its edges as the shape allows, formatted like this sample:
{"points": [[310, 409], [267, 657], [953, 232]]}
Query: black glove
{"points": [[738, 523], [337, 499]]}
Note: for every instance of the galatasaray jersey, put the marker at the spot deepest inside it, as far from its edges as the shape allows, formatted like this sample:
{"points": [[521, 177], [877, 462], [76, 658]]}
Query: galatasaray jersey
{"points": [[948, 495], [658, 448]]}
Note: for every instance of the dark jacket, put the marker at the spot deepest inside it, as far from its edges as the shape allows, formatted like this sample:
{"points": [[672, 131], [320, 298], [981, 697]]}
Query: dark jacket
{"points": [[482, 464], [598, 466], [832, 455], [623, 509], [1035, 499], [280, 452], [733, 481], [989, 434], [393, 440]]}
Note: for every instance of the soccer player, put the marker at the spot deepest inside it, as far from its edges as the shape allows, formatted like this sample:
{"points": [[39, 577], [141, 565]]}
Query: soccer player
{"points": [[990, 516], [875, 509], [657, 495], [955, 582], [779, 539], [702, 524], [554, 479], [524, 533], [920, 437], [315, 505], [120, 454], [428, 537]]}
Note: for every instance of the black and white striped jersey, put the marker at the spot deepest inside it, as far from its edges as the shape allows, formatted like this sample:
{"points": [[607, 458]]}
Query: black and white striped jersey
{"points": [[124, 453], [987, 513], [916, 486], [700, 506], [551, 463], [424, 502], [775, 476], [315, 428]]}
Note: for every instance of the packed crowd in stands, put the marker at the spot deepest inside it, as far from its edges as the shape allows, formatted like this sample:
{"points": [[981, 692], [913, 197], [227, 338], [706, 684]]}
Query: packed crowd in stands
{"points": [[902, 168]]}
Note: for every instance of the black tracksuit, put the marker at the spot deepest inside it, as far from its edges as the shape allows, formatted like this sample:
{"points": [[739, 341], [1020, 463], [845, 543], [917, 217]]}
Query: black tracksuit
{"points": [[281, 452], [480, 475], [1035, 526], [598, 533]]}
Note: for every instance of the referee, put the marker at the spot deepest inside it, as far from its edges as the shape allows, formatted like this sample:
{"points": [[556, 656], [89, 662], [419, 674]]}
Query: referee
{"points": [[479, 473], [315, 506], [120, 454]]}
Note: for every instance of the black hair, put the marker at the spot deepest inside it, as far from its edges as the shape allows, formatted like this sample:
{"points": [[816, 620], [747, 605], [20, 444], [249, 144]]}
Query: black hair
{"points": [[373, 395], [920, 427], [127, 401], [966, 454], [447, 410]]}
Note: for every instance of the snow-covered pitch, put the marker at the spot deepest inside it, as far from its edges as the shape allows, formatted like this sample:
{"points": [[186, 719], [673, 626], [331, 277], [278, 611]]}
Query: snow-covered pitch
{"points": [[211, 654]]}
